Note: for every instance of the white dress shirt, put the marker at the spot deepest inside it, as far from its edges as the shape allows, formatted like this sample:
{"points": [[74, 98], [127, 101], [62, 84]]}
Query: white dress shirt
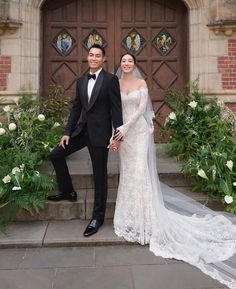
{"points": [[92, 82]]}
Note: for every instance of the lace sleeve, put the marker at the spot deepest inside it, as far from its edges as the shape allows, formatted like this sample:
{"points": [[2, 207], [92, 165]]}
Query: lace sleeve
{"points": [[140, 111]]}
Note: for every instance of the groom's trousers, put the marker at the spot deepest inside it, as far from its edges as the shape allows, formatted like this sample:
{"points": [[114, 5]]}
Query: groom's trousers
{"points": [[98, 155]]}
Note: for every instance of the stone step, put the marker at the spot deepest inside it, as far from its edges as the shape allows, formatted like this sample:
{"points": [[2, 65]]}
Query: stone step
{"points": [[81, 171], [82, 209]]}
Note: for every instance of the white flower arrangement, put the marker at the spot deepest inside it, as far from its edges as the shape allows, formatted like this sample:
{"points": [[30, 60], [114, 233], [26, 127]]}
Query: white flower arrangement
{"points": [[213, 174], [193, 104], [201, 173], [15, 170], [56, 124], [12, 126], [2, 131], [228, 199], [7, 108], [16, 188], [6, 179], [41, 117], [172, 116], [229, 165]]}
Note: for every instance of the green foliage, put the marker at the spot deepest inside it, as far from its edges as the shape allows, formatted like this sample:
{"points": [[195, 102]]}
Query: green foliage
{"points": [[202, 134], [26, 139], [55, 105]]}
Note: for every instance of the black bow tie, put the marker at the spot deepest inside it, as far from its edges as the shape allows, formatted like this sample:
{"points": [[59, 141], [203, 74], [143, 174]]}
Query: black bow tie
{"points": [[91, 76]]}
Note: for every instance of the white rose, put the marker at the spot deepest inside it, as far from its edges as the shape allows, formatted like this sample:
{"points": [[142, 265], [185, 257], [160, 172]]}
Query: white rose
{"points": [[2, 131], [228, 199], [172, 116], [229, 165], [41, 117], [193, 104], [56, 124], [7, 108], [12, 126], [234, 184], [202, 174], [14, 170], [6, 179], [16, 188]]}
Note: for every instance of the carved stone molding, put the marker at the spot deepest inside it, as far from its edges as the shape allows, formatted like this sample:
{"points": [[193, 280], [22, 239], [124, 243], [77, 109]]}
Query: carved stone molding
{"points": [[223, 26], [194, 4], [9, 26], [191, 4]]}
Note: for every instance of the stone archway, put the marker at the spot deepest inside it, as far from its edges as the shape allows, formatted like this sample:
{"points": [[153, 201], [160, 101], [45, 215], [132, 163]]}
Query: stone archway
{"points": [[191, 4]]}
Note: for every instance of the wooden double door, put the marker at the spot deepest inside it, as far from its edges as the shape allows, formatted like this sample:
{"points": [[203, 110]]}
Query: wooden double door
{"points": [[155, 31]]}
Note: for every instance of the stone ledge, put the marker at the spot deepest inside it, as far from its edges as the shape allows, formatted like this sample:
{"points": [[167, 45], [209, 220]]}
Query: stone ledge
{"points": [[9, 26], [225, 26]]}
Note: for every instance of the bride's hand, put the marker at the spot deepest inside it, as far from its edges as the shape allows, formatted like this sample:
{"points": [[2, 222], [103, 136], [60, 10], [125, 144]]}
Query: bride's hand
{"points": [[118, 135], [114, 145]]}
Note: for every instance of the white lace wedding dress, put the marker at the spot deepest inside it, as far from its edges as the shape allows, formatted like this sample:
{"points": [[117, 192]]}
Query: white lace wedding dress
{"points": [[175, 227]]}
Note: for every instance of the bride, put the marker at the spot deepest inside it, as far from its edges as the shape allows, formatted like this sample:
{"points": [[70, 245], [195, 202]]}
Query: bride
{"points": [[172, 224]]}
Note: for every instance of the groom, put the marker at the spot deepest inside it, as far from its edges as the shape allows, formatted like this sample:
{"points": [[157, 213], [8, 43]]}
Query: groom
{"points": [[97, 106]]}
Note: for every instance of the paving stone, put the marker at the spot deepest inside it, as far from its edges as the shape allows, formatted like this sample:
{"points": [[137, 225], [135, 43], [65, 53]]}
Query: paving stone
{"points": [[94, 278], [127, 255], [70, 233], [11, 258], [27, 279], [58, 257], [171, 276], [22, 234]]}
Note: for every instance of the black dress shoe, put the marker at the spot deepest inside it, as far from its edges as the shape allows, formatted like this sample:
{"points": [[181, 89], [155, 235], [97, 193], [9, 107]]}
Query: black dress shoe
{"points": [[63, 196], [92, 227]]}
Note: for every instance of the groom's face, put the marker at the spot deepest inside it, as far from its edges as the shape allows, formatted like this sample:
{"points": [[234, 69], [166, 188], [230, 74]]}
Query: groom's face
{"points": [[95, 59]]}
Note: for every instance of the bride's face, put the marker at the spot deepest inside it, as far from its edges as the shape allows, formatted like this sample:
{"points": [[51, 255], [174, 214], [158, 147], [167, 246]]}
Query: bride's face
{"points": [[127, 63]]}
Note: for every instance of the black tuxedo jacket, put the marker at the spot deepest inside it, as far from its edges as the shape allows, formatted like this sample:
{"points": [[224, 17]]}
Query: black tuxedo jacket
{"points": [[103, 110]]}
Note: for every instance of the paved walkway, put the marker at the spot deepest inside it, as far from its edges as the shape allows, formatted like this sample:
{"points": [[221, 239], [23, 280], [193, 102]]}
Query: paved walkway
{"points": [[55, 255], [97, 267]]}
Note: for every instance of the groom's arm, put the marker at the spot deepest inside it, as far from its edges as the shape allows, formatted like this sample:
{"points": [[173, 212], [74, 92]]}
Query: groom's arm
{"points": [[115, 102], [74, 113]]}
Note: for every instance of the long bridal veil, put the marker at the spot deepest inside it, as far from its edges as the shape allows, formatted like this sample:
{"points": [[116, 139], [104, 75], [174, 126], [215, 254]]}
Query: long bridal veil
{"points": [[186, 230]]}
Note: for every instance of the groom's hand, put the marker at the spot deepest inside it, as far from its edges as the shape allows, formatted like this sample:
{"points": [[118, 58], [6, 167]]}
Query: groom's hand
{"points": [[64, 141]]}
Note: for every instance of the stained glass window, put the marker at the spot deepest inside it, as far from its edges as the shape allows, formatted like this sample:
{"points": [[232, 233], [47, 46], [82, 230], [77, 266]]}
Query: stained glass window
{"points": [[63, 42], [163, 42], [134, 41], [94, 38]]}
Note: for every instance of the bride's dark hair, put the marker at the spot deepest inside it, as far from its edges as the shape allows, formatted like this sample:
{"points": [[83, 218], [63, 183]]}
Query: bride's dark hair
{"points": [[127, 53]]}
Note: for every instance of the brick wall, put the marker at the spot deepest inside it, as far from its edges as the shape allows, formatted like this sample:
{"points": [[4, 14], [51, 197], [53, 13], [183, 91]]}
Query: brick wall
{"points": [[227, 66], [5, 68]]}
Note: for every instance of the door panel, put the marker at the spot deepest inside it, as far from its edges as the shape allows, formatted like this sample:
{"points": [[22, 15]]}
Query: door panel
{"points": [[154, 31]]}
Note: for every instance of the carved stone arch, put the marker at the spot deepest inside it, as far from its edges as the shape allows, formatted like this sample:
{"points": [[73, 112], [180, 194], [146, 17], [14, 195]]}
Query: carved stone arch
{"points": [[191, 4], [194, 4]]}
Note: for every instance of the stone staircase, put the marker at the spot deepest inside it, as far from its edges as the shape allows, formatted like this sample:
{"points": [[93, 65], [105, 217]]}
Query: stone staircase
{"points": [[81, 172]]}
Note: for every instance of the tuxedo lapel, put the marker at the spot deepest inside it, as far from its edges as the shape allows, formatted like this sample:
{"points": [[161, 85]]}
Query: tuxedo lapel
{"points": [[96, 89], [85, 91]]}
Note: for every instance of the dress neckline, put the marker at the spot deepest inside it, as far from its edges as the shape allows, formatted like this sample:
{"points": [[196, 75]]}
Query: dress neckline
{"points": [[137, 89]]}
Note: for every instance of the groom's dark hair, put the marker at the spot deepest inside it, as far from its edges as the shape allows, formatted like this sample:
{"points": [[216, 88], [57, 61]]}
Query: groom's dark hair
{"points": [[99, 47]]}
